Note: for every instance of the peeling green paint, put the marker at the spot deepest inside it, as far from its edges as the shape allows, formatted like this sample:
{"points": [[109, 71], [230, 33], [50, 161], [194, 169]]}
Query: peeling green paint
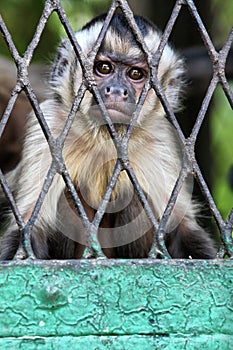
{"points": [[106, 304]]}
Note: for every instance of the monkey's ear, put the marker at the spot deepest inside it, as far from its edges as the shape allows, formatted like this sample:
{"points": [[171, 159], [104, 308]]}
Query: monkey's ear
{"points": [[61, 64], [174, 83]]}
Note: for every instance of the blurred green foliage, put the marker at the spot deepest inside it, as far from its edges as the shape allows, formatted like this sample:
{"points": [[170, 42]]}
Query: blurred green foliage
{"points": [[222, 148], [222, 19], [22, 16]]}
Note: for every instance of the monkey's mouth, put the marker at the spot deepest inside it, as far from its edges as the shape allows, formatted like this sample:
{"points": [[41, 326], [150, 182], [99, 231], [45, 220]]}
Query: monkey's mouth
{"points": [[119, 113]]}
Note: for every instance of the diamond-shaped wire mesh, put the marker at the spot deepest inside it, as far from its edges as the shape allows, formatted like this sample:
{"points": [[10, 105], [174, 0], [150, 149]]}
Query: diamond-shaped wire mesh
{"points": [[218, 59]]}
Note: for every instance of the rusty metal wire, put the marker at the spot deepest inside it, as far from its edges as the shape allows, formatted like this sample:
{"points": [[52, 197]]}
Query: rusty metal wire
{"points": [[218, 59]]}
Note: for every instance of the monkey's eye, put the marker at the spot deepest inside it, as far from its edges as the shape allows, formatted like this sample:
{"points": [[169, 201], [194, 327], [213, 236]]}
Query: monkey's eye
{"points": [[103, 68], [135, 73]]}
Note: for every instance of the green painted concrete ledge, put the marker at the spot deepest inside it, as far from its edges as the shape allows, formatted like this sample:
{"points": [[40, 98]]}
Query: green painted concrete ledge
{"points": [[116, 305]]}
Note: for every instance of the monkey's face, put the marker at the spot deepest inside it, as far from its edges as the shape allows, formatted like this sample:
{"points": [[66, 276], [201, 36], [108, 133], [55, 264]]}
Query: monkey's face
{"points": [[120, 81], [120, 70]]}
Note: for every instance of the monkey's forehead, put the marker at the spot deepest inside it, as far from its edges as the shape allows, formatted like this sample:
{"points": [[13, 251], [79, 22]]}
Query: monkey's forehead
{"points": [[122, 42], [138, 59]]}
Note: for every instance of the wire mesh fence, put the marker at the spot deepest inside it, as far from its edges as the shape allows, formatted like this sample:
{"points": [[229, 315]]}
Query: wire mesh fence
{"points": [[56, 144]]}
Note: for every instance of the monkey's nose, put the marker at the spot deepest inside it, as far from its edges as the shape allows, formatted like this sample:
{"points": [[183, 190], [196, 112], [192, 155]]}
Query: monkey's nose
{"points": [[116, 93]]}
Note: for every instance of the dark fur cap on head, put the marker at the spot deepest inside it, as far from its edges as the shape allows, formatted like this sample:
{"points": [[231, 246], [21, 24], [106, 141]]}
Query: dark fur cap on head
{"points": [[121, 26]]}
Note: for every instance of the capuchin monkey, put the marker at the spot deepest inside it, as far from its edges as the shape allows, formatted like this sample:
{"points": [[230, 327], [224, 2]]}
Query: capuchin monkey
{"points": [[154, 152]]}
